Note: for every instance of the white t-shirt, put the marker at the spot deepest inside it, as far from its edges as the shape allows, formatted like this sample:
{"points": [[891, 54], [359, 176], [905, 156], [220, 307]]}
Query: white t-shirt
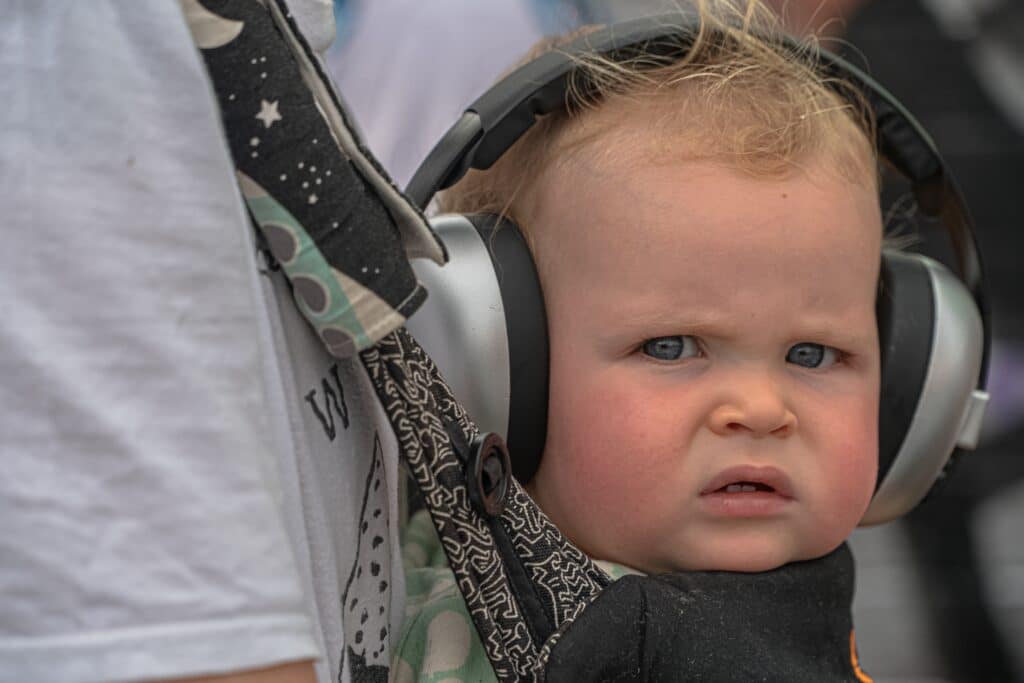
{"points": [[189, 483]]}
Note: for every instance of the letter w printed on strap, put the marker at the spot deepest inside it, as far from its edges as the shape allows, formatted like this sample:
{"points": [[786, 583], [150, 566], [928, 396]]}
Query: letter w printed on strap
{"points": [[342, 233]]}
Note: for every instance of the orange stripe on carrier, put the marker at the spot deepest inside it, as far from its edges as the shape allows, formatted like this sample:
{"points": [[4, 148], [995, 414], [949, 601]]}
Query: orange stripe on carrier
{"points": [[861, 676]]}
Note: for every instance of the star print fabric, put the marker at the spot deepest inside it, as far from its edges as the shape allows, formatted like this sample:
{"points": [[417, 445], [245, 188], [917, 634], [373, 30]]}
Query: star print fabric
{"points": [[326, 212]]}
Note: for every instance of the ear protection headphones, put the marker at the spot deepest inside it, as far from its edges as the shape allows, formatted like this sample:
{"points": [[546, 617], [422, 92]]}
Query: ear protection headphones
{"points": [[484, 322]]}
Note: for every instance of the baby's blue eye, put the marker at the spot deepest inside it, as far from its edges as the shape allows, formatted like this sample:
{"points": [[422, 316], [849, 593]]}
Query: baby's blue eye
{"points": [[810, 355], [671, 348]]}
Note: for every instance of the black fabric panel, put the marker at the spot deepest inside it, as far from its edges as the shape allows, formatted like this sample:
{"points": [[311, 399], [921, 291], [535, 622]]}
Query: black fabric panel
{"points": [[296, 160], [792, 624], [353, 130]]}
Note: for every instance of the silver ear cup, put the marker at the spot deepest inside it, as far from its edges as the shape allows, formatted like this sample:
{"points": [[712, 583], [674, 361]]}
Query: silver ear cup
{"points": [[949, 407], [462, 324]]}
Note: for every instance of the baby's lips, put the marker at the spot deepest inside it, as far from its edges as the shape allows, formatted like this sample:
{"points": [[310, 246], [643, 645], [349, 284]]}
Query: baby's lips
{"points": [[765, 475]]}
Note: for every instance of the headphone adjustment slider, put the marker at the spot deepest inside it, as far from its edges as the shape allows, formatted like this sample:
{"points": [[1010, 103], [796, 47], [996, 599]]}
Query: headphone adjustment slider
{"points": [[970, 428]]}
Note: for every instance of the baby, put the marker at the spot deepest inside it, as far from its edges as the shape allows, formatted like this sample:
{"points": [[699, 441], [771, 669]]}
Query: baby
{"points": [[708, 239]]}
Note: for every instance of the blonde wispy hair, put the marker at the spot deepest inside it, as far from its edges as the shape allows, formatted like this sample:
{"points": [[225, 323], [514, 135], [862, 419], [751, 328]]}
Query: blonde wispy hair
{"points": [[741, 95]]}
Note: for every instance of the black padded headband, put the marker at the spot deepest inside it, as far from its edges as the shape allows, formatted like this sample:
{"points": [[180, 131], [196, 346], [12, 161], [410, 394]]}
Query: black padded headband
{"points": [[493, 123]]}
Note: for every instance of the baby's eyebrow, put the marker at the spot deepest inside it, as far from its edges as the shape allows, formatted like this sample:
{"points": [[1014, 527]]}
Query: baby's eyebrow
{"points": [[839, 331], [670, 322]]}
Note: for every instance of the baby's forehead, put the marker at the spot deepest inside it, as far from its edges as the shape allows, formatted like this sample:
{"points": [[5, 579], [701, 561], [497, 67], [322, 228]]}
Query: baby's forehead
{"points": [[681, 223], [668, 126]]}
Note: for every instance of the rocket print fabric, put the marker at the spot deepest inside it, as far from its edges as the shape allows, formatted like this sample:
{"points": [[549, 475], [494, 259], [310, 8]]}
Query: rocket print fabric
{"points": [[364, 599]]}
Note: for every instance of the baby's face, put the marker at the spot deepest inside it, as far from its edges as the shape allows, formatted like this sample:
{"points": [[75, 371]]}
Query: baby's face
{"points": [[714, 362]]}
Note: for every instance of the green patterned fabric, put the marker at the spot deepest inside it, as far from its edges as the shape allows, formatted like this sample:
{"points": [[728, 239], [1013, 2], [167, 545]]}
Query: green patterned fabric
{"points": [[438, 643]]}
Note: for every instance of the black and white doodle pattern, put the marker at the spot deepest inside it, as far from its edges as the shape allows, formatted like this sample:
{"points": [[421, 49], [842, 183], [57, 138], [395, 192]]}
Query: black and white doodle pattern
{"points": [[422, 410]]}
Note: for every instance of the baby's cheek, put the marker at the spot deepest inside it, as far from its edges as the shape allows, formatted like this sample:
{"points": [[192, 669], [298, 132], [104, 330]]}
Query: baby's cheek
{"points": [[612, 441], [852, 466]]}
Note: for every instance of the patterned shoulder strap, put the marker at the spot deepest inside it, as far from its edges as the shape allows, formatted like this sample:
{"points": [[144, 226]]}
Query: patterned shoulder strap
{"points": [[522, 580]]}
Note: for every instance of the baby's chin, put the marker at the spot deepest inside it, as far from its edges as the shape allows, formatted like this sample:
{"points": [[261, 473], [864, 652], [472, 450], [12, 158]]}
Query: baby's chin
{"points": [[746, 565], [748, 558]]}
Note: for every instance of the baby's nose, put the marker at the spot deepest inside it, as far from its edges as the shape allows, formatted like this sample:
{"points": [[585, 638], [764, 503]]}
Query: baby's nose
{"points": [[755, 408]]}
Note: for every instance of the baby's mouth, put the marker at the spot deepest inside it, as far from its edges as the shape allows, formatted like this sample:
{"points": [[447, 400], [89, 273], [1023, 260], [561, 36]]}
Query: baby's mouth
{"points": [[750, 479], [745, 487], [748, 492]]}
